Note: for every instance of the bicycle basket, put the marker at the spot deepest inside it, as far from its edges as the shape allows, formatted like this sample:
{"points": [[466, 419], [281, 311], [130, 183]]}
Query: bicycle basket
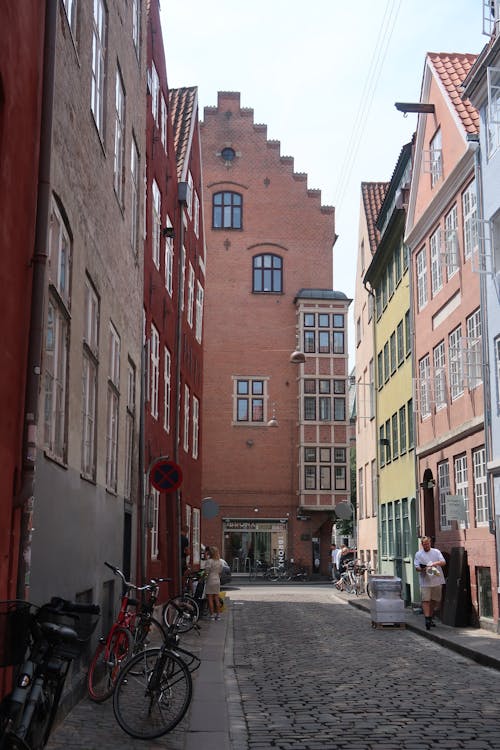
{"points": [[14, 632]]}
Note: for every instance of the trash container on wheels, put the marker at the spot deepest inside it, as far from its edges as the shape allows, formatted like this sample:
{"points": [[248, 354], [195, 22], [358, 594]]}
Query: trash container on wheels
{"points": [[386, 605]]}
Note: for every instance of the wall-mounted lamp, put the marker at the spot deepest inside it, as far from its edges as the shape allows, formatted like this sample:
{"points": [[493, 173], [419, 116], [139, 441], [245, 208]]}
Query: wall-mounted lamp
{"points": [[297, 357], [168, 232], [428, 485], [273, 422], [249, 443]]}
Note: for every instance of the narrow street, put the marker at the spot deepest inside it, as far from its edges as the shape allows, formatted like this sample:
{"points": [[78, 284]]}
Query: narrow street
{"points": [[314, 675]]}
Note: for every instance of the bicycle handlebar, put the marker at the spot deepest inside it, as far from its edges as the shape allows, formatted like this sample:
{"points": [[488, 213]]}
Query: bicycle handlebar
{"points": [[147, 586]]}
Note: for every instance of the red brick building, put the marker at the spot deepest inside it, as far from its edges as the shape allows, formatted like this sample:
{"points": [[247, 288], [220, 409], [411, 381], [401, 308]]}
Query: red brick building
{"points": [[276, 451], [174, 284]]}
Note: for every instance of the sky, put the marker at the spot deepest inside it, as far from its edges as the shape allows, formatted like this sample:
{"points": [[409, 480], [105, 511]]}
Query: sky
{"points": [[323, 75]]}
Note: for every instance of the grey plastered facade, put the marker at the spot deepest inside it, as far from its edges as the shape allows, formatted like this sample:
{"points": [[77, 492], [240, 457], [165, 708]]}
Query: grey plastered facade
{"points": [[80, 519]]}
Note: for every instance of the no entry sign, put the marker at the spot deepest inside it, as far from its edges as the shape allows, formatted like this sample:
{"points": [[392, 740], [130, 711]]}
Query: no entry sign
{"points": [[165, 476]]}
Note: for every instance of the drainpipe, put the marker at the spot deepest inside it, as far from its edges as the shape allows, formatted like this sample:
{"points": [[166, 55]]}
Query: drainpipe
{"points": [[372, 294], [25, 499], [182, 194]]}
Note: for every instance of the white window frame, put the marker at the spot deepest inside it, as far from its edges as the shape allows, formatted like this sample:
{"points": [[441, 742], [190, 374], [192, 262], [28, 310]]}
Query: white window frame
{"points": [[155, 369], [196, 427], [436, 262], [167, 389], [154, 520], [187, 406], [443, 472], [469, 210], [136, 26], [70, 6], [155, 92], [474, 352], [455, 363], [480, 487], [156, 222], [98, 64], [134, 195], [436, 157], [493, 111], [424, 374], [119, 152], [112, 412], [462, 485], [89, 380], [164, 115], [451, 242], [200, 296], [56, 379], [497, 365], [60, 255], [196, 218], [439, 364], [190, 299], [189, 206], [421, 267]]}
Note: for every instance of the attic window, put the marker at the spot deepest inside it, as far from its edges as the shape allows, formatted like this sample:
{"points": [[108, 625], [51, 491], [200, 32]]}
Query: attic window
{"points": [[228, 154]]}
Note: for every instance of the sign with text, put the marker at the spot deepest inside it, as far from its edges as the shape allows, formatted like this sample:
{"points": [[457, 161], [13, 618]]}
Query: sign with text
{"points": [[455, 508]]}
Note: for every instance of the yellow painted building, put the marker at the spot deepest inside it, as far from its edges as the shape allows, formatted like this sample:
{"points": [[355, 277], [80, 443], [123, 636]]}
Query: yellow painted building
{"points": [[388, 277]]}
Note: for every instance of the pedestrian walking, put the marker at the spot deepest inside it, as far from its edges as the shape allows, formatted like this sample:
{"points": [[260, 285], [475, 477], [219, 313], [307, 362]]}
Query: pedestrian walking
{"points": [[334, 555], [213, 570], [430, 563]]}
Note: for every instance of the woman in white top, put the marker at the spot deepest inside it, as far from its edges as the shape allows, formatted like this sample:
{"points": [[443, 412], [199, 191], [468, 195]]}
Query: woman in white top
{"points": [[213, 570]]}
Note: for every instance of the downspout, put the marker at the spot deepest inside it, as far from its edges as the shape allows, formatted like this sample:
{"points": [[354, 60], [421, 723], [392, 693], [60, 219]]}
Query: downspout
{"points": [[372, 294], [418, 528], [26, 499], [183, 187], [143, 545]]}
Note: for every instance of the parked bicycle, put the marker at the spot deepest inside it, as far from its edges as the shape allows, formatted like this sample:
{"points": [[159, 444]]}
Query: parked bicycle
{"points": [[43, 642], [186, 609], [154, 688], [352, 580], [257, 570], [128, 635], [287, 572]]}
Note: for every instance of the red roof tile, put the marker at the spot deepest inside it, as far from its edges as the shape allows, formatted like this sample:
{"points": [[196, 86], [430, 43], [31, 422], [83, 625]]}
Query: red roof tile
{"points": [[373, 194], [452, 69], [182, 106]]}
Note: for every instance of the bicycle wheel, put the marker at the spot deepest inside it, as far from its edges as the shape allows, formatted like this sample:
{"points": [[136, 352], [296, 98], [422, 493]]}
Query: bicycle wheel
{"points": [[181, 611], [152, 693], [272, 574], [106, 663], [148, 632]]}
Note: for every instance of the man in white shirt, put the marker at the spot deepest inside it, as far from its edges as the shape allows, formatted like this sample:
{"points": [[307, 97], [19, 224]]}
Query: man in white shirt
{"points": [[430, 563]]}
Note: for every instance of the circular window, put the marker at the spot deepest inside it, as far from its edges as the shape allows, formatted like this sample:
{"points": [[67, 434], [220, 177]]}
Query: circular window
{"points": [[228, 154]]}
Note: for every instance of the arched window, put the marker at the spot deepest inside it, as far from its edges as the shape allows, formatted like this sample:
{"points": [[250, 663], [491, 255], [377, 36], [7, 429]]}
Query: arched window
{"points": [[227, 211], [267, 273]]}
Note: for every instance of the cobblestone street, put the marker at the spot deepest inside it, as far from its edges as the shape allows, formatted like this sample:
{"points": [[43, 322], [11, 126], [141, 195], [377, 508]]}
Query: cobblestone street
{"points": [[314, 675]]}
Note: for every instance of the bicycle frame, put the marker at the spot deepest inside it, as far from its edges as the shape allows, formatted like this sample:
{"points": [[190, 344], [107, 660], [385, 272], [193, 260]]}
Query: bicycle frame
{"points": [[29, 711]]}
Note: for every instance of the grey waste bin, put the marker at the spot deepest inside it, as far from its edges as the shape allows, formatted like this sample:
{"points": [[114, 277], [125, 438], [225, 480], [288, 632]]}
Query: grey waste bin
{"points": [[386, 605], [385, 587]]}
